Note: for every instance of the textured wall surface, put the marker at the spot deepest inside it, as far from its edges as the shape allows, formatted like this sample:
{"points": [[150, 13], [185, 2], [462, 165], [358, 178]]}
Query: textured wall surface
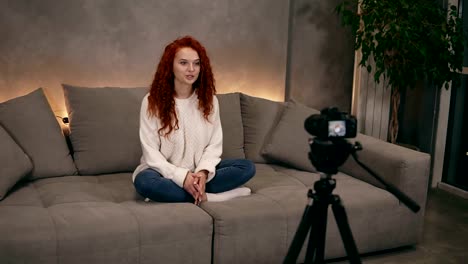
{"points": [[322, 56], [119, 42]]}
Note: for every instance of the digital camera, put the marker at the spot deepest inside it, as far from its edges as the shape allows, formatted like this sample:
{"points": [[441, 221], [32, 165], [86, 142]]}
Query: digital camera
{"points": [[331, 124]]}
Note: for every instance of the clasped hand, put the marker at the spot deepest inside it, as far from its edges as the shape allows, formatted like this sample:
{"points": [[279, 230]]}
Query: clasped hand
{"points": [[195, 184]]}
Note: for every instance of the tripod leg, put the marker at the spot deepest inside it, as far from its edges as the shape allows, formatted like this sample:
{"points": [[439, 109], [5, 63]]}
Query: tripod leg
{"points": [[301, 233], [316, 246], [345, 231]]}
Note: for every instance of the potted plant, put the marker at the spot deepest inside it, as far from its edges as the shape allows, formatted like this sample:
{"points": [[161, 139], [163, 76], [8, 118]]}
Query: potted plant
{"points": [[407, 41]]}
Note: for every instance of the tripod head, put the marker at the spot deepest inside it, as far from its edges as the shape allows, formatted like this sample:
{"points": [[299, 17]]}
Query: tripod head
{"points": [[329, 154], [330, 149]]}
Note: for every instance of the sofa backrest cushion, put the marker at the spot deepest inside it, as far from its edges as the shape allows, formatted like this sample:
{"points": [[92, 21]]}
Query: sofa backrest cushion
{"points": [[104, 125], [231, 121], [259, 116], [14, 163], [288, 142], [31, 123]]}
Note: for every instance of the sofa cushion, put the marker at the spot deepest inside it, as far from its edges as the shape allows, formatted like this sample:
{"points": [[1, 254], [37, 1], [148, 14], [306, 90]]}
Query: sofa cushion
{"points": [[28, 235], [367, 208], [14, 163], [172, 232], [104, 127], [258, 118], [34, 127], [99, 219], [231, 121], [288, 142]]}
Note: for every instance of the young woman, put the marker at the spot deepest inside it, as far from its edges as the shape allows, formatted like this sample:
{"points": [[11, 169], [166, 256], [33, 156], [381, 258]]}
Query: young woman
{"points": [[181, 135]]}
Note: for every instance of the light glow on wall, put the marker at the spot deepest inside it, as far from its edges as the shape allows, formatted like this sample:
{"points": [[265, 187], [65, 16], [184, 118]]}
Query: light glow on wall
{"points": [[266, 89]]}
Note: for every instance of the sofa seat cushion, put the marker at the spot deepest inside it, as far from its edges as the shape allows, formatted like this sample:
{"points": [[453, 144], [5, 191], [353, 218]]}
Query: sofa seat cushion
{"points": [[103, 188], [28, 235], [172, 232], [250, 229], [273, 212], [95, 232], [374, 214], [253, 229], [268, 176], [99, 219]]}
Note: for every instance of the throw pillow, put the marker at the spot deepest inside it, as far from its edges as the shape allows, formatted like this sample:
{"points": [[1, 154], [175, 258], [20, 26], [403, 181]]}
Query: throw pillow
{"points": [[258, 118], [34, 127], [231, 121], [288, 142], [14, 163], [104, 124]]}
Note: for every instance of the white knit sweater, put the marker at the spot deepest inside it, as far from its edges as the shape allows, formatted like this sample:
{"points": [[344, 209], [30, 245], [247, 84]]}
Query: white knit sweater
{"points": [[196, 145]]}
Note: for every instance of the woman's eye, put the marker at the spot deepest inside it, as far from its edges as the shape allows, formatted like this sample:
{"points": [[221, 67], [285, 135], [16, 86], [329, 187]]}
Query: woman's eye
{"points": [[183, 62], [197, 63]]}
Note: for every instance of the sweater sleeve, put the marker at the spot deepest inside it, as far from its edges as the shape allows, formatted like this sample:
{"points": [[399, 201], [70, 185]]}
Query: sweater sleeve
{"points": [[150, 144], [212, 153]]}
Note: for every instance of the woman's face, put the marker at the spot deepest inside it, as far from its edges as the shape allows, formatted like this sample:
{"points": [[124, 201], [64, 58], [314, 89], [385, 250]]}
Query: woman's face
{"points": [[186, 66]]}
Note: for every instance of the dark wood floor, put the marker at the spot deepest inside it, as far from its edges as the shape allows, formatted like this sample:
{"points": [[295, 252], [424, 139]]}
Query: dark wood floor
{"points": [[445, 239]]}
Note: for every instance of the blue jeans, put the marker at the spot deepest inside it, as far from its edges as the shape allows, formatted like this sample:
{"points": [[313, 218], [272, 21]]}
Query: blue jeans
{"points": [[230, 174]]}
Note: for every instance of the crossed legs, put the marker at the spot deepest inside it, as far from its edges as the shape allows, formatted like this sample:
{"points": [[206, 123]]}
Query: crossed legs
{"points": [[230, 174]]}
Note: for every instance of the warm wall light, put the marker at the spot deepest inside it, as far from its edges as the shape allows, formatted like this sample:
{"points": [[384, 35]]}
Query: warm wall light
{"points": [[64, 119], [271, 96], [265, 92]]}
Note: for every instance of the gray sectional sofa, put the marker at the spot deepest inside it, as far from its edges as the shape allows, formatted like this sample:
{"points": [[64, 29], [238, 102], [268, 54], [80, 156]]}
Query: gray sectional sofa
{"points": [[70, 199]]}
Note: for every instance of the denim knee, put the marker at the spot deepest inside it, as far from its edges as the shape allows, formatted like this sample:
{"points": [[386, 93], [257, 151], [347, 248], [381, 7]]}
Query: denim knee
{"points": [[142, 185], [249, 169]]}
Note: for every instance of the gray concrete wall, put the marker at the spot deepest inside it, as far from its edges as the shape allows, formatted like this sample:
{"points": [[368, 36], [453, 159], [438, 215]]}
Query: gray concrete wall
{"points": [[322, 56], [119, 42]]}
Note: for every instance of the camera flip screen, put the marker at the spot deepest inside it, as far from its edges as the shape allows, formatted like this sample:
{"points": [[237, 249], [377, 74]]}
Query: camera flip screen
{"points": [[336, 128]]}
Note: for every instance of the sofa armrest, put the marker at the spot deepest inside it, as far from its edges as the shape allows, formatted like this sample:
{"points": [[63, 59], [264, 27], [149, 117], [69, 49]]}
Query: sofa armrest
{"points": [[406, 169]]}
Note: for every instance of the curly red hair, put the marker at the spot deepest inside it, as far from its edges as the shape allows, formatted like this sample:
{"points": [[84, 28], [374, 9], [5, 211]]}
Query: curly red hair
{"points": [[161, 102]]}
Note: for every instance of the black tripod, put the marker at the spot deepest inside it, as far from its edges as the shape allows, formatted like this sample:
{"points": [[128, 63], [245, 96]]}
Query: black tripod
{"points": [[318, 207], [327, 156]]}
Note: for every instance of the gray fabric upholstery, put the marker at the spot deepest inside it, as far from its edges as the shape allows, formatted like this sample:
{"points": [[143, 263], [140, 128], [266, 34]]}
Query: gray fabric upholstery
{"points": [[248, 230], [104, 126], [259, 116], [172, 233], [28, 235], [231, 121], [289, 141], [397, 165], [99, 219], [32, 124], [256, 229], [373, 214], [14, 163]]}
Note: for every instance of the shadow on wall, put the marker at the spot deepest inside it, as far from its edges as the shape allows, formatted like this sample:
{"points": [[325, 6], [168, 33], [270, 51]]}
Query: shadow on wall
{"points": [[119, 42], [322, 56]]}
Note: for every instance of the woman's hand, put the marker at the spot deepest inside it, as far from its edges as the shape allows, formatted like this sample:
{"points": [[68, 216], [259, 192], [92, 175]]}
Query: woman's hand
{"points": [[200, 185], [189, 184]]}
